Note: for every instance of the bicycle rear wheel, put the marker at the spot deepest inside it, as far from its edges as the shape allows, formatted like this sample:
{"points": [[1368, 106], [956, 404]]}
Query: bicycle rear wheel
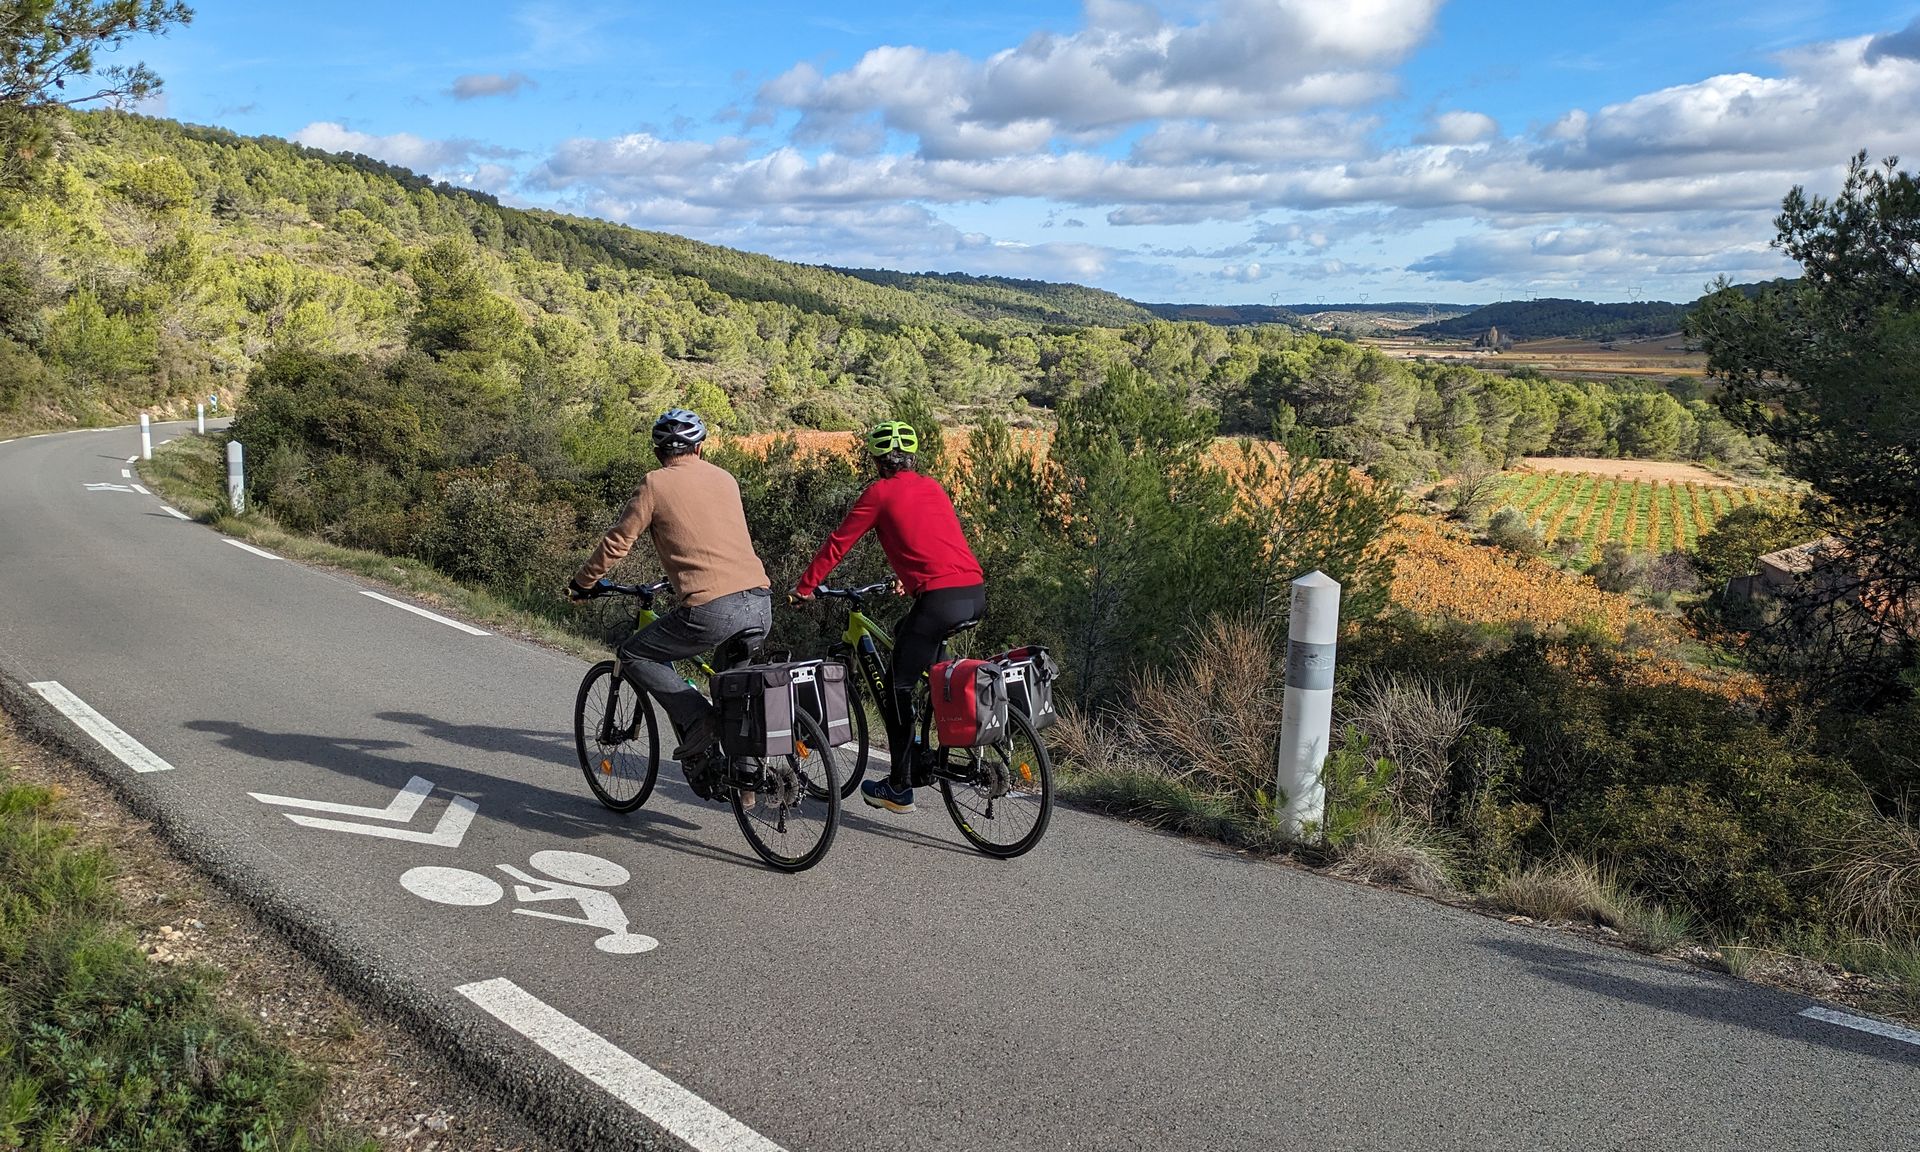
{"points": [[618, 742], [1002, 801], [793, 814]]}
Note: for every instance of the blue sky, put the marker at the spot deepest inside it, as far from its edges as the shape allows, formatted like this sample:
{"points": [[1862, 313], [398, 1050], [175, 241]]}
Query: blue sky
{"points": [[1229, 151]]}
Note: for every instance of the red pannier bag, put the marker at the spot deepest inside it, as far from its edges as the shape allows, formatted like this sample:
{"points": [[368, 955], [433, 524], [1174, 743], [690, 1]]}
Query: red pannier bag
{"points": [[969, 703]]}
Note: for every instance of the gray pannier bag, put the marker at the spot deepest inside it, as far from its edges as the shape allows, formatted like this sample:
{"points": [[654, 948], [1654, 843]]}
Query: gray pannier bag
{"points": [[1030, 673], [756, 709], [822, 694]]}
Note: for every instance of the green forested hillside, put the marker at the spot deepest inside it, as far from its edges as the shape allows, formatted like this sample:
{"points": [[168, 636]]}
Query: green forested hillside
{"points": [[1002, 297], [153, 262], [1583, 319]]}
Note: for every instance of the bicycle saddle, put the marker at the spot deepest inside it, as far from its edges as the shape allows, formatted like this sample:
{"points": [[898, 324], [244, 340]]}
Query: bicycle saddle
{"points": [[743, 647]]}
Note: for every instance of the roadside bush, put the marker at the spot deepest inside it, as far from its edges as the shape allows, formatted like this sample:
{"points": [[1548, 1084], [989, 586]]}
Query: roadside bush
{"points": [[100, 1049], [1874, 876], [1413, 721], [490, 526], [1216, 712], [1511, 529]]}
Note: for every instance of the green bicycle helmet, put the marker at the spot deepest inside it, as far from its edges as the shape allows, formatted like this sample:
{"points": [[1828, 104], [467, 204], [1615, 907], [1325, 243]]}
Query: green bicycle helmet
{"points": [[891, 436]]}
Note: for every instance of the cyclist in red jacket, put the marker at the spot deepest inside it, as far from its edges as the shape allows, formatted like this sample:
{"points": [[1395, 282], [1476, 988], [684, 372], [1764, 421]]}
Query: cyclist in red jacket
{"points": [[920, 533]]}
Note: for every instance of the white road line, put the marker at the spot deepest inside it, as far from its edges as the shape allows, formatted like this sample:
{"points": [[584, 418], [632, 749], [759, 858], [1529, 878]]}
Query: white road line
{"points": [[133, 457], [126, 473], [175, 512], [141, 490], [6, 441], [451, 829], [125, 748], [399, 810], [630, 1081], [1863, 1024], [433, 616], [250, 548]]}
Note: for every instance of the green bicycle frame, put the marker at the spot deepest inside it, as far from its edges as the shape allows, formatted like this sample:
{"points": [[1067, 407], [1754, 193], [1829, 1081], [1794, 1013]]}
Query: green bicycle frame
{"points": [[867, 639]]}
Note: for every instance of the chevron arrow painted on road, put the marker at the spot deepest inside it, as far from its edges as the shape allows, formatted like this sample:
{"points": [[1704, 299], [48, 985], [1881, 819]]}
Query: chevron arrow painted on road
{"points": [[451, 829]]}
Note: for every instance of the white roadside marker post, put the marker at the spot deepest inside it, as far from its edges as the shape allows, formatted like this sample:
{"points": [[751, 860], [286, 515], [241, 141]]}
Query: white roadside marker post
{"points": [[236, 477], [202, 415], [146, 438], [1306, 716]]}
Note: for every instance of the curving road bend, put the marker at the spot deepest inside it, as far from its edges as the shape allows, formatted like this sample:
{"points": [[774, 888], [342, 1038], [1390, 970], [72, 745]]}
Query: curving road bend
{"points": [[1117, 989]]}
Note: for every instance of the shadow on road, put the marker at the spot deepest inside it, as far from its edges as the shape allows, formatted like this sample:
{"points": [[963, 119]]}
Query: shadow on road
{"points": [[532, 807], [1726, 1002]]}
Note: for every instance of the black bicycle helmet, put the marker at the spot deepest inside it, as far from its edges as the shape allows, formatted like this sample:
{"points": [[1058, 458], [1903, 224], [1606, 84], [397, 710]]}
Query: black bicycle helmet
{"points": [[678, 430]]}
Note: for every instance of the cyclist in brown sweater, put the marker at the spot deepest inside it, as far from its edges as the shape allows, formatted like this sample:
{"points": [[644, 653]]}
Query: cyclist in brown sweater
{"points": [[699, 529]]}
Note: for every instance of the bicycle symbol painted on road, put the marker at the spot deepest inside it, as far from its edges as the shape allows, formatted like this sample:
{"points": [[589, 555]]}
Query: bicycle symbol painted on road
{"points": [[575, 876]]}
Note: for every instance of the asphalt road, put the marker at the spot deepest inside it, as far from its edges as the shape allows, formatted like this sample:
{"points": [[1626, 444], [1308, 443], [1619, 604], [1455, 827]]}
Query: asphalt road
{"points": [[1116, 989]]}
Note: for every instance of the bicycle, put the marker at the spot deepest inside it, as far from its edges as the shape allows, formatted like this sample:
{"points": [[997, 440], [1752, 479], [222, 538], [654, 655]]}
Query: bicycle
{"points": [[788, 807], [1000, 796]]}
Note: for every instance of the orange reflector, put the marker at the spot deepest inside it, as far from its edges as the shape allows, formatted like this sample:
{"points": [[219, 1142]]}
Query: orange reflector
{"points": [[802, 745], [1026, 772], [606, 767]]}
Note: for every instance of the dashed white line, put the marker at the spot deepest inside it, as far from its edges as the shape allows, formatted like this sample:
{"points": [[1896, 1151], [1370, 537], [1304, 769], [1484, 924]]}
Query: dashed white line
{"points": [[1863, 1024], [175, 512], [125, 748], [250, 548], [141, 490], [133, 457], [629, 1080], [433, 616], [9, 440], [126, 473]]}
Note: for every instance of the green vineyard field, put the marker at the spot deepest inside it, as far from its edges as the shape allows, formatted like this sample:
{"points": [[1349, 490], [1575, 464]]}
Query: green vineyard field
{"points": [[1651, 516]]}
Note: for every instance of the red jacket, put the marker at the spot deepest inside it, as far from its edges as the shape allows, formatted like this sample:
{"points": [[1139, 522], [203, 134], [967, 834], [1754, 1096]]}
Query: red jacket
{"points": [[918, 530]]}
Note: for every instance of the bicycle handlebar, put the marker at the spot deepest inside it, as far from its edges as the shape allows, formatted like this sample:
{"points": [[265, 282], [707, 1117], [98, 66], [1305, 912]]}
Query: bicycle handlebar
{"points": [[644, 591], [853, 594]]}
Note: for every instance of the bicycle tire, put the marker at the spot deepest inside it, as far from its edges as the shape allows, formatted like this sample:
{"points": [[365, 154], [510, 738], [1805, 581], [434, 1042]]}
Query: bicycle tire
{"points": [[856, 705], [974, 810], [607, 772], [754, 824]]}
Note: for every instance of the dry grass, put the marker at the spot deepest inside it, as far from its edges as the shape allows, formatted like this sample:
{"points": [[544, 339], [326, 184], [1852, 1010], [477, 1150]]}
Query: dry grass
{"points": [[1413, 721], [1875, 877], [1215, 717], [1566, 889], [1397, 854]]}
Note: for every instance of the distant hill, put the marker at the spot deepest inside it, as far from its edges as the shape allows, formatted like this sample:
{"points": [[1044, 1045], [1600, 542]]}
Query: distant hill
{"points": [[1543, 319], [996, 298]]}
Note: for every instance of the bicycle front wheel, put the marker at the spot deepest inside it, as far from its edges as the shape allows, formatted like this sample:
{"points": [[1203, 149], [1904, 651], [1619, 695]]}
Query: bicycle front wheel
{"points": [[618, 742], [791, 817], [1002, 804], [852, 760]]}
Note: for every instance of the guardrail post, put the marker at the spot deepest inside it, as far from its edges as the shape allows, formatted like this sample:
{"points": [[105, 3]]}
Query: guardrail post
{"points": [[236, 477], [202, 415], [1306, 715], [146, 439]]}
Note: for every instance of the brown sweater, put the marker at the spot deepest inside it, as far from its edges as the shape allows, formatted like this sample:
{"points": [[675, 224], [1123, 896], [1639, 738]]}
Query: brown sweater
{"points": [[699, 530]]}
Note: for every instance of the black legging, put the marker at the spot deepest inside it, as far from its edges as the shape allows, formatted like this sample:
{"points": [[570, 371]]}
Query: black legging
{"points": [[932, 618]]}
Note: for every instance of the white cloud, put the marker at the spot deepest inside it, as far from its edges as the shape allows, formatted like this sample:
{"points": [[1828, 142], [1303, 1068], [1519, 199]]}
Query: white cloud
{"points": [[1265, 112], [1246, 273], [1459, 128], [478, 84], [402, 148]]}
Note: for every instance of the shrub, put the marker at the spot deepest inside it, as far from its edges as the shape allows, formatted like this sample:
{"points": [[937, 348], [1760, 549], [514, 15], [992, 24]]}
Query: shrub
{"points": [[1619, 569], [1511, 529], [1413, 720], [1874, 877], [1215, 714], [490, 527]]}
